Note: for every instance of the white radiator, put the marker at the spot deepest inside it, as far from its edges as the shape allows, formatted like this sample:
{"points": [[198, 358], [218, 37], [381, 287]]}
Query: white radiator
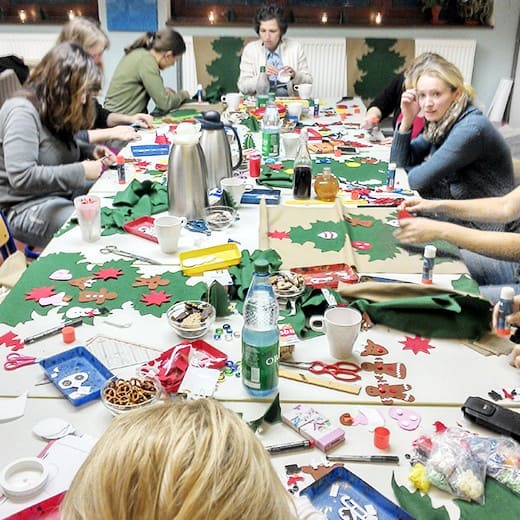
{"points": [[459, 52], [32, 47], [188, 81], [327, 59]]}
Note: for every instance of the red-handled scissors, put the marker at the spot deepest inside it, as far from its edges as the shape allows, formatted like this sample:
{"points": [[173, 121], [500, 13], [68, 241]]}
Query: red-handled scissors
{"points": [[15, 360], [341, 370]]}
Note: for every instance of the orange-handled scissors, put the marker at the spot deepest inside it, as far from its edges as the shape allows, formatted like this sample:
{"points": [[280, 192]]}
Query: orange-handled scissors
{"points": [[341, 370], [15, 360]]}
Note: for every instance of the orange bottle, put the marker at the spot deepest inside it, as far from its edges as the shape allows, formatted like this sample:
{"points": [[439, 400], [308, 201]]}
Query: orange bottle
{"points": [[326, 185]]}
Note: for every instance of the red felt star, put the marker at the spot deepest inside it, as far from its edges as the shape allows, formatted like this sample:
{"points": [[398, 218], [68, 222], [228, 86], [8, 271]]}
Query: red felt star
{"points": [[11, 339], [417, 344], [161, 139], [161, 167], [108, 274], [155, 298], [38, 293], [278, 234], [275, 166]]}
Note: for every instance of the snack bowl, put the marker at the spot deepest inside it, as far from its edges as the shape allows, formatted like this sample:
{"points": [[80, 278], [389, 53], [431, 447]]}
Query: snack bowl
{"points": [[121, 395], [287, 284], [218, 218], [191, 319]]}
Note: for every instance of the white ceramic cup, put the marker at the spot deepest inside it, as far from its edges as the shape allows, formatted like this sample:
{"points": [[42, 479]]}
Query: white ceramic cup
{"points": [[295, 110], [342, 326], [284, 76], [235, 187], [167, 230], [290, 145], [88, 211], [232, 100], [304, 90]]}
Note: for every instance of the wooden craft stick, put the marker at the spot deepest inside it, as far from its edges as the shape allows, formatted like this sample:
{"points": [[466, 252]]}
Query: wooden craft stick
{"points": [[314, 380]]}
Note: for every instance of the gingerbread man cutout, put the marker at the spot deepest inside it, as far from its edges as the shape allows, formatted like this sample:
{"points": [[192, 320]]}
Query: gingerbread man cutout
{"points": [[387, 393], [374, 349], [397, 370], [83, 283], [98, 297], [152, 282]]}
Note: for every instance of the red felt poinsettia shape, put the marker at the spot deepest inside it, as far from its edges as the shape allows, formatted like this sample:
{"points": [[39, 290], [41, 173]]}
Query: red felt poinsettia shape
{"points": [[417, 344], [278, 234], [11, 340], [155, 298], [108, 274], [38, 293]]}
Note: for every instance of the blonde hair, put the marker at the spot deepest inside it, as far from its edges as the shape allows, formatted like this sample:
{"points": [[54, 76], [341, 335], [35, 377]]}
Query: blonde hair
{"points": [[186, 460], [84, 32]]}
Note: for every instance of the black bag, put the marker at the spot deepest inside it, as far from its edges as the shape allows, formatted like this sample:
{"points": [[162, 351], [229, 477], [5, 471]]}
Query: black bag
{"points": [[17, 64]]}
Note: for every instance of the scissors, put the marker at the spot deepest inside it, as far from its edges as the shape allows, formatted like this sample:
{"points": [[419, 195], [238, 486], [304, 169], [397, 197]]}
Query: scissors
{"points": [[341, 370], [15, 360], [116, 251]]}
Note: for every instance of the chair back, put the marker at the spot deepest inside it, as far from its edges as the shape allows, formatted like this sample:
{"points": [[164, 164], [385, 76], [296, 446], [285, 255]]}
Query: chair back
{"points": [[9, 84], [7, 243]]}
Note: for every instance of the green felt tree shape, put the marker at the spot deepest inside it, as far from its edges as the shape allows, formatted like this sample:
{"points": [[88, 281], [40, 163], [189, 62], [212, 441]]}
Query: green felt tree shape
{"points": [[226, 67], [326, 235], [379, 66]]}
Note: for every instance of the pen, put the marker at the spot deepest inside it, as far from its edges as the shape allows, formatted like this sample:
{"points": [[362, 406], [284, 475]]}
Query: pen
{"points": [[51, 332], [364, 458], [278, 448]]}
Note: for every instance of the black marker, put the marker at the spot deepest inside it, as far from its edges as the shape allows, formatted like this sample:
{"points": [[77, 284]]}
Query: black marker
{"points": [[278, 448], [53, 331], [364, 458]]}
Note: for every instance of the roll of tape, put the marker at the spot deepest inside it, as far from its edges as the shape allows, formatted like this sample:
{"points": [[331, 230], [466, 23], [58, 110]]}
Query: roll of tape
{"points": [[24, 478]]}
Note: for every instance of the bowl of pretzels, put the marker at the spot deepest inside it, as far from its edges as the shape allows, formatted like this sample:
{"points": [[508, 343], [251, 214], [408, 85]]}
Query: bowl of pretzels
{"points": [[121, 395]]}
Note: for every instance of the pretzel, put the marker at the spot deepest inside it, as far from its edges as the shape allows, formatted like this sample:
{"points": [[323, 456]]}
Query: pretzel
{"points": [[131, 392]]}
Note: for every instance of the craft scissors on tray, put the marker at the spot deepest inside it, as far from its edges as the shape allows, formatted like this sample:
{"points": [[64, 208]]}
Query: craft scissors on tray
{"points": [[341, 370], [15, 360], [116, 251]]}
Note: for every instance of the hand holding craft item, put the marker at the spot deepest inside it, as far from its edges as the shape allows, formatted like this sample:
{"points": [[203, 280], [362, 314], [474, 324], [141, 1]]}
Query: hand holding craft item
{"points": [[88, 210]]}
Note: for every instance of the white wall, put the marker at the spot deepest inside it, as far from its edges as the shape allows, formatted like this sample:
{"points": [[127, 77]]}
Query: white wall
{"points": [[493, 60]]}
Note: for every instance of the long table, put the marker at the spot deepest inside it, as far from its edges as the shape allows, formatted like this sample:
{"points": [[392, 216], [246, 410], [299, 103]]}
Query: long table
{"points": [[433, 376]]}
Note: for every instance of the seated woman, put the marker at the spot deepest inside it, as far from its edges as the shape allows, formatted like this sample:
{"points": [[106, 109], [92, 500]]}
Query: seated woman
{"points": [[108, 125], [492, 257], [42, 167], [137, 78], [193, 460], [459, 155], [275, 52]]}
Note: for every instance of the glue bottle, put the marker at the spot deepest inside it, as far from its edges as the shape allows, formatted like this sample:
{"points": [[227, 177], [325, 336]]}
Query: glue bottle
{"points": [[505, 307], [428, 261], [199, 93], [390, 176], [121, 175]]}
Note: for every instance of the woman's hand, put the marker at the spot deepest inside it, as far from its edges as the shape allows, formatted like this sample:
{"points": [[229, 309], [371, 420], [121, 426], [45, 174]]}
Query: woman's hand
{"points": [[92, 169], [514, 317], [409, 108], [417, 229], [105, 154], [417, 204], [288, 70], [144, 120], [124, 133]]}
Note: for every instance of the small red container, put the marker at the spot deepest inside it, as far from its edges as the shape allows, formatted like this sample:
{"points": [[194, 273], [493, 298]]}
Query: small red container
{"points": [[254, 165]]}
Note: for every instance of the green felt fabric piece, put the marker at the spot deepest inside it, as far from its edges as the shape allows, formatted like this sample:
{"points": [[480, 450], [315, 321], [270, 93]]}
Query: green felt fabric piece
{"points": [[432, 316], [272, 415], [218, 297], [36, 279], [417, 504], [252, 124], [276, 178], [176, 115], [465, 284]]}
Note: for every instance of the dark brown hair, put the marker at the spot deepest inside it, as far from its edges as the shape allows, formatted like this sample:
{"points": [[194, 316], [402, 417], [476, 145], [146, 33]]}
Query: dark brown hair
{"points": [[270, 12], [62, 87], [164, 40]]}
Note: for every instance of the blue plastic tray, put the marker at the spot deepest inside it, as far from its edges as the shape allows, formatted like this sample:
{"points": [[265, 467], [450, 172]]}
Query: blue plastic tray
{"points": [[349, 485], [75, 367], [142, 150], [256, 195]]}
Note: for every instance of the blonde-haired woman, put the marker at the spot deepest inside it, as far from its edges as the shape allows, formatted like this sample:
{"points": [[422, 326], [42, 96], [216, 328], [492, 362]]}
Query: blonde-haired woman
{"points": [[137, 77], [459, 155], [108, 126], [184, 460]]}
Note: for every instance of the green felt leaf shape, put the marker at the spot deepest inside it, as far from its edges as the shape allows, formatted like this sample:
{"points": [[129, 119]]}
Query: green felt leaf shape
{"points": [[324, 235]]}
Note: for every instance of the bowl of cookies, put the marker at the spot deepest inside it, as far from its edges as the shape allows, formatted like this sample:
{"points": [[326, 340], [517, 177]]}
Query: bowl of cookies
{"points": [[121, 395], [287, 284], [191, 319]]}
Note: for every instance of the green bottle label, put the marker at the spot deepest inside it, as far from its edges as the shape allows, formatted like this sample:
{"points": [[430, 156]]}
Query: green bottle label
{"points": [[270, 144], [260, 366]]}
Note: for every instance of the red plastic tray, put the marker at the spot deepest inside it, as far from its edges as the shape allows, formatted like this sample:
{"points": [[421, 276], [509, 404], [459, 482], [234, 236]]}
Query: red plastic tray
{"points": [[142, 227]]}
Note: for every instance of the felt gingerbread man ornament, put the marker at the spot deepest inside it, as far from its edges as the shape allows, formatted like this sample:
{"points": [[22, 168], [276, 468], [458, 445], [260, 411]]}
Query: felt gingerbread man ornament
{"points": [[397, 370]]}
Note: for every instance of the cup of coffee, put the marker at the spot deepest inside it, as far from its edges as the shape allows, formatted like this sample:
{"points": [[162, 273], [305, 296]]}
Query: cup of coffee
{"points": [[168, 230], [342, 326], [232, 101], [290, 145], [235, 187], [88, 211], [304, 90]]}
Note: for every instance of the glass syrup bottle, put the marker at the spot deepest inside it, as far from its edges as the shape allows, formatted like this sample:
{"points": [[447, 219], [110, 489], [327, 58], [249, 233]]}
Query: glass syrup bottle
{"points": [[302, 177]]}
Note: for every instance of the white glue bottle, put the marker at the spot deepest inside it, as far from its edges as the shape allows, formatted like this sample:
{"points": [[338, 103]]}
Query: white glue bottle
{"points": [[505, 307], [428, 261]]}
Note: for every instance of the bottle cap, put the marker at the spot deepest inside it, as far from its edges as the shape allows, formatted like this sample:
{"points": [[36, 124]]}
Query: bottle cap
{"points": [[507, 293], [120, 160], [68, 334], [430, 251], [261, 266]]}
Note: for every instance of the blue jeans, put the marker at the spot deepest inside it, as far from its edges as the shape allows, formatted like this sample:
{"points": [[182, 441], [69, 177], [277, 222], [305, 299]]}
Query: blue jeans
{"points": [[491, 274]]}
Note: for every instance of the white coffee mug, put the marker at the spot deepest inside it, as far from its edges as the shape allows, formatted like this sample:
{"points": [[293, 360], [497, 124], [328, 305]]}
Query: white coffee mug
{"points": [[167, 230], [236, 187], [290, 145], [232, 100], [304, 90], [342, 326], [295, 109]]}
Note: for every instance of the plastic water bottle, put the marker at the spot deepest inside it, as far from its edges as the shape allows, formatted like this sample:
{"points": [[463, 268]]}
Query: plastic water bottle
{"points": [[302, 177], [260, 335], [271, 130], [262, 87]]}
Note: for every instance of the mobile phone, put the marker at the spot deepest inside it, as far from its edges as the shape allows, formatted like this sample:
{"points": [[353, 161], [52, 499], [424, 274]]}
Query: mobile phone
{"points": [[347, 149]]}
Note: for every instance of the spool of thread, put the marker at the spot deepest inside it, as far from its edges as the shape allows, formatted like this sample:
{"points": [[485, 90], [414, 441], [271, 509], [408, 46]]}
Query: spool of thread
{"points": [[68, 334]]}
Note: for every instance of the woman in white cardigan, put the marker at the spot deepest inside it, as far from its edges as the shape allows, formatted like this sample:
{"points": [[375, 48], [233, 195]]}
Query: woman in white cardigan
{"points": [[274, 51]]}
